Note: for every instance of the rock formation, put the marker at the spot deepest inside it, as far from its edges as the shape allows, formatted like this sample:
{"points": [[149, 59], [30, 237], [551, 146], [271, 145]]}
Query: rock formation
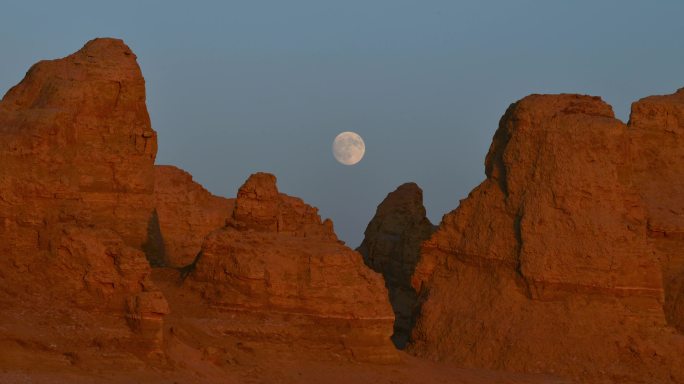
{"points": [[276, 256], [93, 269], [76, 187], [186, 214], [392, 247], [76, 144], [566, 258], [80, 200]]}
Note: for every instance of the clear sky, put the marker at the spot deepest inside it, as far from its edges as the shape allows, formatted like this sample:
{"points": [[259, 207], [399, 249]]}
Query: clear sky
{"points": [[236, 87]]}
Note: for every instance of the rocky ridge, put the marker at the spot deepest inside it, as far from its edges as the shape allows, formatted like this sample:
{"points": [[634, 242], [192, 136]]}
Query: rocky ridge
{"points": [[84, 211], [565, 260]]}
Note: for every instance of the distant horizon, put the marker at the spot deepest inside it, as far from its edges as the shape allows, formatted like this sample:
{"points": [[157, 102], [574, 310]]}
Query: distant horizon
{"points": [[239, 88]]}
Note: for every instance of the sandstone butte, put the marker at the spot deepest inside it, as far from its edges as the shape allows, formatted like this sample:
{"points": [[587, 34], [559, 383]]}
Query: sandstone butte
{"points": [[391, 246], [567, 258]]}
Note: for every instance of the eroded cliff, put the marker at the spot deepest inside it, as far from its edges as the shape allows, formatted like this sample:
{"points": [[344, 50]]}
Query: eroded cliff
{"points": [[76, 193], [565, 258]]}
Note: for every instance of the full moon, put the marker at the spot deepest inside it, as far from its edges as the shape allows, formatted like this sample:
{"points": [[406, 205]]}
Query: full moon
{"points": [[348, 148]]}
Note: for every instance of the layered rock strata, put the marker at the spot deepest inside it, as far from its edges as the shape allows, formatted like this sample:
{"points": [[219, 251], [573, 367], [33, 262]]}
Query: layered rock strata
{"points": [[275, 256], [186, 213], [567, 257], [76, 187]]}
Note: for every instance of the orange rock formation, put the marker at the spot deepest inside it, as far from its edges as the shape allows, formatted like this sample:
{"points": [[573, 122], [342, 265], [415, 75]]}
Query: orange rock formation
{"points": [[77, 146], [277, 256], [76, 184], [186, 214], [80, 202], [565, 259]]}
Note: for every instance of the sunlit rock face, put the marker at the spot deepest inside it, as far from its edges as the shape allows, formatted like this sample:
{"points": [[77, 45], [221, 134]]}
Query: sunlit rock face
{"points": [[391, 246], [275, 256], [567, 257], [76, 193], [185, 214], [76, 144]]}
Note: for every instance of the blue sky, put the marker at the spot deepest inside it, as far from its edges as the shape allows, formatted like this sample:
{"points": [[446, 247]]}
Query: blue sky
{"points": [[236, 87]]}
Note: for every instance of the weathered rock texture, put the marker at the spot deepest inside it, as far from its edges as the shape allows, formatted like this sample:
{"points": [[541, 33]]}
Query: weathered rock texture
{"points": [[77, 144], [276, 256], [93, 270], [76, 186], [391, 246], [186, 214], [567, 258], [285, 302]]}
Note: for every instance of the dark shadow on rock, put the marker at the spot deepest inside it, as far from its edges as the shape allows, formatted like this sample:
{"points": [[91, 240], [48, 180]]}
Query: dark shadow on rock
{"points": [[392, 247], [154, 246], [188, 269]]}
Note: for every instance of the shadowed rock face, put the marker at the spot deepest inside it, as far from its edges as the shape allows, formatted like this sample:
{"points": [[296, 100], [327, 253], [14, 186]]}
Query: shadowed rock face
{"points": [[392, 247], [276, 257], [567, 258]]}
